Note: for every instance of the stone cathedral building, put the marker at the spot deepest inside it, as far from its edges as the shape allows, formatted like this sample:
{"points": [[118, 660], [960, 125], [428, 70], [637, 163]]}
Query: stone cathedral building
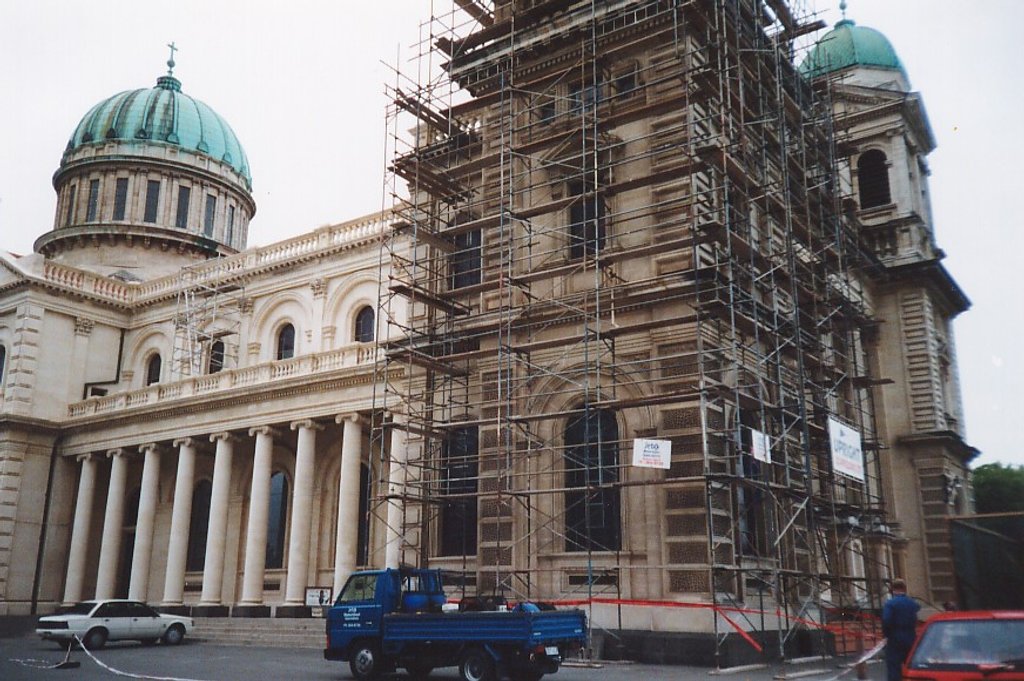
{"points": [[207, 426]]}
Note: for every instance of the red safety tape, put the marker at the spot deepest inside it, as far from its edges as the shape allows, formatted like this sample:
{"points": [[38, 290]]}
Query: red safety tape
{"points": [[723, 609]]}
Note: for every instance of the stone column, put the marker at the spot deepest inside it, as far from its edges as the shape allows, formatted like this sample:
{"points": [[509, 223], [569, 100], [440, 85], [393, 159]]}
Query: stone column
{"points": [[113, 526], [345, 547], [80, 530], [216, 535], [181, 517], [138, 588], [396, 491], [302, 512], [259, 507]]}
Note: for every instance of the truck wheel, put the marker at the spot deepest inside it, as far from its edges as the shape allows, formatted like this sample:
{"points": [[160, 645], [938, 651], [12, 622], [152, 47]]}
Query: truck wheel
{"points": [[365, 661], [477, 665]]}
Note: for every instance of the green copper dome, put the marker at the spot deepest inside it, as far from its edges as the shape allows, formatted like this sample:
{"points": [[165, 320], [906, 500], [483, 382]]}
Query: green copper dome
{"points": [[162, 114], [848, 45]]}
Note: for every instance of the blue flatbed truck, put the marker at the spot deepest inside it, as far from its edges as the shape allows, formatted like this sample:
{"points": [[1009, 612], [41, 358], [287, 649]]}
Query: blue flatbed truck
{"points": [[386, 619]]}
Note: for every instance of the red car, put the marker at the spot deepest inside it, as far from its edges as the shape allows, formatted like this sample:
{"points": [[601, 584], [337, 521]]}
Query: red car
{"points": [[963, 646]]}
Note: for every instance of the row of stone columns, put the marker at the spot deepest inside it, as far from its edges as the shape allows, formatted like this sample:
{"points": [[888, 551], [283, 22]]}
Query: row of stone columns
{"points": [[216, 538]]}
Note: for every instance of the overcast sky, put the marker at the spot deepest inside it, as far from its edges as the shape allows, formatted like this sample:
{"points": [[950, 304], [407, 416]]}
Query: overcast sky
{"points": [[302, 85]]}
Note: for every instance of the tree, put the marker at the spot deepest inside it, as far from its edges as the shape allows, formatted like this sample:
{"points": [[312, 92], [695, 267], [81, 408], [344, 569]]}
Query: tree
{"points": [[998, 488]]}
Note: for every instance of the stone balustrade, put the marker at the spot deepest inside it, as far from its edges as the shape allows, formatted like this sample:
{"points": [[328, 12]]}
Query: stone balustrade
{"points": [[221, 269], [357, 354]]}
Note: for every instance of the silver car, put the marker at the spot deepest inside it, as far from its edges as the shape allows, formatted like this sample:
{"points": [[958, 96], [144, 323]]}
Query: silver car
{"points": [[96, 622]]}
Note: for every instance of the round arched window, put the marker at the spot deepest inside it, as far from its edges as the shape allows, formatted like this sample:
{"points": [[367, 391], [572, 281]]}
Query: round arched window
{"points": [[286, 342]]}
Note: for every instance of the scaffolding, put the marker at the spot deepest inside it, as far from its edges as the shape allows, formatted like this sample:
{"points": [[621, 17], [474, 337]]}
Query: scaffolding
{"points": [[621, 220], [207, 319]]}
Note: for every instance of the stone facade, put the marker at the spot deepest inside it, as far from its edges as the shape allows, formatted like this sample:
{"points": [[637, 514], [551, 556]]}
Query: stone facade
{"points": [[206, 427]]}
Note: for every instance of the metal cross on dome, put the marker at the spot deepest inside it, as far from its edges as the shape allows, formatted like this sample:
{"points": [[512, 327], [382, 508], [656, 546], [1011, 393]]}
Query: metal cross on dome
{"points": [[170, 62]]}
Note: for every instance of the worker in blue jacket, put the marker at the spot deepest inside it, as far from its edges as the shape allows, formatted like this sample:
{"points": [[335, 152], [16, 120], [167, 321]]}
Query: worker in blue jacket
{"points": [[899, 625]]}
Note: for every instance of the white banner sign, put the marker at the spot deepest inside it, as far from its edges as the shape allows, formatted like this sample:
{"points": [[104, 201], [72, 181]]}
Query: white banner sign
{"points": [[760, 446], [847, 456], [318, 596], [652, 453]]}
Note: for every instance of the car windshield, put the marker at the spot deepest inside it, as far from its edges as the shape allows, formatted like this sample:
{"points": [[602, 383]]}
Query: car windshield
{"points": [[968, 643], [77, 609]]}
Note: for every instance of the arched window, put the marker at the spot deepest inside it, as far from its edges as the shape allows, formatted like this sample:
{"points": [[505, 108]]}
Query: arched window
{"points": [[591, 472], [464, 263], [459, 465], [586, 220], [286, 342], [3, 365], [216, 357], [873, 179], [364, 332], [277, 520], [153, 369], [198, 526]]}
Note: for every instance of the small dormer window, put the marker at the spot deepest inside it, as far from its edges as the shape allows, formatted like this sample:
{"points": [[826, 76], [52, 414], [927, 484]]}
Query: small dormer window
{"points": [[181, 220], [873, 179], [211, 211], [94, 201], [152, 200], [70, 215], [120, 198]]}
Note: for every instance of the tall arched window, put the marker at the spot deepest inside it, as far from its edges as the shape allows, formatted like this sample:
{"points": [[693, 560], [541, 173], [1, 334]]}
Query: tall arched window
{"points": [[873, 179], [3, 365], [198, 526], [464, 262], [153, 369], [277, 521], [586, 220], [286, 342], [592, 506], [364, 331], [216, 357], [459, 464]]}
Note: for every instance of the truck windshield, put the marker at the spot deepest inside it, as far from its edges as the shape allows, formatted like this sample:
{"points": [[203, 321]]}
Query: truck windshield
{"points": [[358, 588]]}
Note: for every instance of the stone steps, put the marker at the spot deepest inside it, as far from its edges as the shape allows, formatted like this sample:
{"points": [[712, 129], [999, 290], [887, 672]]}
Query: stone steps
{"points": [[273, 633]]}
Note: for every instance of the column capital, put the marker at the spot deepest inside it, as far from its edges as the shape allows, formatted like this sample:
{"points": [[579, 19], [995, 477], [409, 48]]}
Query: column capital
{"points": [[350, 416], [117, 451], [309, 424], [264, 430], [184, 442], [88, 456], [223, 435], [149, 447]]}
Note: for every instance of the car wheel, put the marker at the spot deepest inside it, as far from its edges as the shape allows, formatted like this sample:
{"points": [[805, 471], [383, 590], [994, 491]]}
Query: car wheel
{"points": [[174, 635], [95, 639], [477, 665], [365, 661]]}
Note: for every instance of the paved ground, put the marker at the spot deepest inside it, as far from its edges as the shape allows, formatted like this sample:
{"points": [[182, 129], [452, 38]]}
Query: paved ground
{"points": [[30, 659]]}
